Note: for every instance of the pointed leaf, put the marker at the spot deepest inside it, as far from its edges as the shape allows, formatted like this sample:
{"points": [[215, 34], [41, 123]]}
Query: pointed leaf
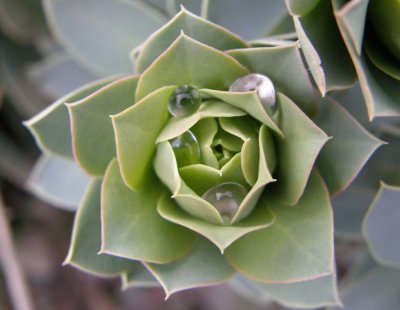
{"points": [[85, 36], [296, 152], [58, 181], [86, 239], [222, 236], [167, 170], [297, 247], [247, 101], [211, 108], [346, 153], [135, 136], [51, 127], [204, 266], [307, 294], [132, 228], [193, 26], [284, 66], [324, 50], [354, 16], [139, 277], [188, 61], [381, 226], [93, 136], [381, 92]]}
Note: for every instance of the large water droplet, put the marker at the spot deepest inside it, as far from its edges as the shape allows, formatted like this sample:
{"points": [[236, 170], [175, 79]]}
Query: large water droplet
{"points": [[184, 101], [226, 198], [264, 86], [186, 149]]}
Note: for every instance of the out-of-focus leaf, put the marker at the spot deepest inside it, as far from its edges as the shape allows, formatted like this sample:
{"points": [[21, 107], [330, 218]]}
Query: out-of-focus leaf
{"points": [[247, 18], [82, 26], [378, 289], [132, 219], [59, 74], [86, 239], [202, 267], [308, 294], [381, 226], [297, 247], [58, 181], [324, 49], [94, 145]]}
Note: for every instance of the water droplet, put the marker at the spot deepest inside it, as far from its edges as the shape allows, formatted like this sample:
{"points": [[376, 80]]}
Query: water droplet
{"points": [[184, 101], [226, 198], [261, 83], [186, 149]]}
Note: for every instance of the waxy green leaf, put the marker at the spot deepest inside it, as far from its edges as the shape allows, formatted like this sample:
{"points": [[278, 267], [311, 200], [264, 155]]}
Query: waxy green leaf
{"points": [[222, 236], [323, 49], [86, 239], [51, 127], [381, 227], [131, 226], [94, 145], [189, 62], [247, 101], [166, 168], [345, 154], [193, 26], [297, 151], [381, 92], [135, 139], [284, 66], [209, 109], [204, 266], [297, 247]]}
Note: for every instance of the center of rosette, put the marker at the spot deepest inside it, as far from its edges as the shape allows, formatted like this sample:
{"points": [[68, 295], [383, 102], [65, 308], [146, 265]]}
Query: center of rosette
{"points": [[226, 198]]}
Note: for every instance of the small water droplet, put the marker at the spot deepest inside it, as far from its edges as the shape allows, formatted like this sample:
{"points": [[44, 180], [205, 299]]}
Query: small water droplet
{"points": [[184, 101], [186, 149], [264, 86], [226, 198]]}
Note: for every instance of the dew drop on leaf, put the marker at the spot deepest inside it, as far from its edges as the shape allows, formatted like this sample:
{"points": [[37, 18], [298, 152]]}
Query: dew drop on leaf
{"points": [[186, 149], [184, 101], [226, 198], [262, 84]]}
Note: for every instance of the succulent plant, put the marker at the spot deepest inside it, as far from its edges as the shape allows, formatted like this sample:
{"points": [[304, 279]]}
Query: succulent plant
{"points": [[218, 159], [344, 40]]}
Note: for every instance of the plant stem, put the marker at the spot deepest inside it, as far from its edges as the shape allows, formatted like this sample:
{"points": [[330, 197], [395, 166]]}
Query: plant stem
{"points": [[15, 281]]}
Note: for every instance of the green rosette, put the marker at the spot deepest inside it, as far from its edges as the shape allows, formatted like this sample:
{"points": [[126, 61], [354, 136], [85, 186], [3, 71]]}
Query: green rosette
{"points": [[194, 181]]}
